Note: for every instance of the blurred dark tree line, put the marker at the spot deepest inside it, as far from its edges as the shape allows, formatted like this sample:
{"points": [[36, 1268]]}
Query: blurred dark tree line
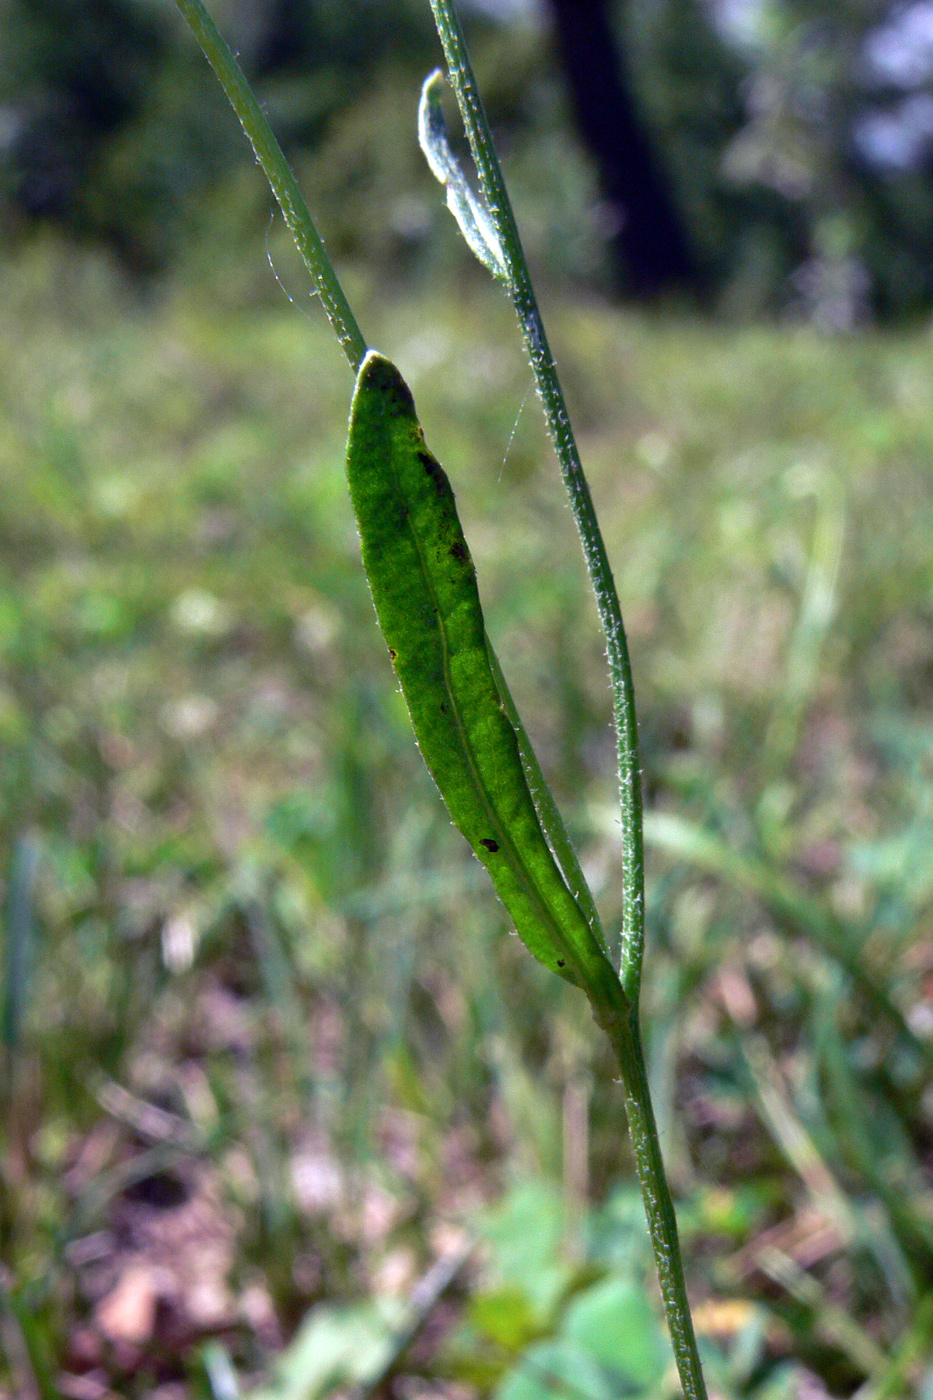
{"points": [[756, 154], [112, 125]]}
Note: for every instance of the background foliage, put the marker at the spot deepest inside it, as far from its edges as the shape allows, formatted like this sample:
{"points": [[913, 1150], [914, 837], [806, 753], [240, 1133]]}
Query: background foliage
{"points": [[796, 136], [246, 957], [258, 1085]]}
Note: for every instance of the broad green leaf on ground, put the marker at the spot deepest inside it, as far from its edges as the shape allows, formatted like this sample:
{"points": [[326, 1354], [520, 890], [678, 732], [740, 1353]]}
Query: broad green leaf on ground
{"points": [[334, 1347], [615, 1324], [524, 1235], [558, 1370]]}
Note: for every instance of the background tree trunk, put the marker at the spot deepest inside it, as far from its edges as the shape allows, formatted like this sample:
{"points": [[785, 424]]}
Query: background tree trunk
{"points": [[649, 244]]}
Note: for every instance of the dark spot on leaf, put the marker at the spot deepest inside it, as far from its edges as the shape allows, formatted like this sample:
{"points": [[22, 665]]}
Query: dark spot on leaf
{"points": [[561, 963], [458, 551], [436, 472], [490, 845], [393, 653], [443, 708]]}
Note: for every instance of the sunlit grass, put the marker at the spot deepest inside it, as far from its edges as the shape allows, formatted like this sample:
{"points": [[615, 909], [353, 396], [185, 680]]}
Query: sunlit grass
{"points": [[249, 911]]}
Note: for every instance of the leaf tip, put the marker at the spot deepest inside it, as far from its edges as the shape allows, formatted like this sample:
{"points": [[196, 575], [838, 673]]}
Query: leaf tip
{"points": [[379, 376]]}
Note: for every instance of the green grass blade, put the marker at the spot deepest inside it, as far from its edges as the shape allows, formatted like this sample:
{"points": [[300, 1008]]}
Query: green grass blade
{"points": [[220, 1373], [424, 588], [814, 619], [19, 947], [26, 1345], [800, 911], [894, 1378]]}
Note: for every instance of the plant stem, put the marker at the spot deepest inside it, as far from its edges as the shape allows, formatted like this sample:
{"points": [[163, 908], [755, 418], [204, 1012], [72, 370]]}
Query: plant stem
{"points": [[280, 176], [659, 1207], [623, 1029], [523, 297], [551, 820]]}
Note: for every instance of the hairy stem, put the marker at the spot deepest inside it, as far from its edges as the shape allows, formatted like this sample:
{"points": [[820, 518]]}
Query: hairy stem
{"points": [[523, 297], [623, 1030], [659, 1207]]}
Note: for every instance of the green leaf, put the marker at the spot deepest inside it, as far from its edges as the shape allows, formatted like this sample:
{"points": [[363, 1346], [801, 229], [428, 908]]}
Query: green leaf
{"points": [[523, 1238], [334, 1346], [424, 588], [557, 1370], [505, 1316], [615, 1324]]}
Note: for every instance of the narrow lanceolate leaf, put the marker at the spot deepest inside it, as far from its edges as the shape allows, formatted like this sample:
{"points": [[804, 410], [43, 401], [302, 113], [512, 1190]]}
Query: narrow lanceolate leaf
{"points": [[424, 587]]}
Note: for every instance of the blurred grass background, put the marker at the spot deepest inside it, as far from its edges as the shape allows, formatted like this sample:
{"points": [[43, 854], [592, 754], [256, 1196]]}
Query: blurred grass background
{"points": [[257, 1077]]}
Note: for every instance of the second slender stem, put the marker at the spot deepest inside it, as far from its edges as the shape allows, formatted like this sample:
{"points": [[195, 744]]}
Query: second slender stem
{"points": [[623, 1029], [523, 297], [281, 178]]}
